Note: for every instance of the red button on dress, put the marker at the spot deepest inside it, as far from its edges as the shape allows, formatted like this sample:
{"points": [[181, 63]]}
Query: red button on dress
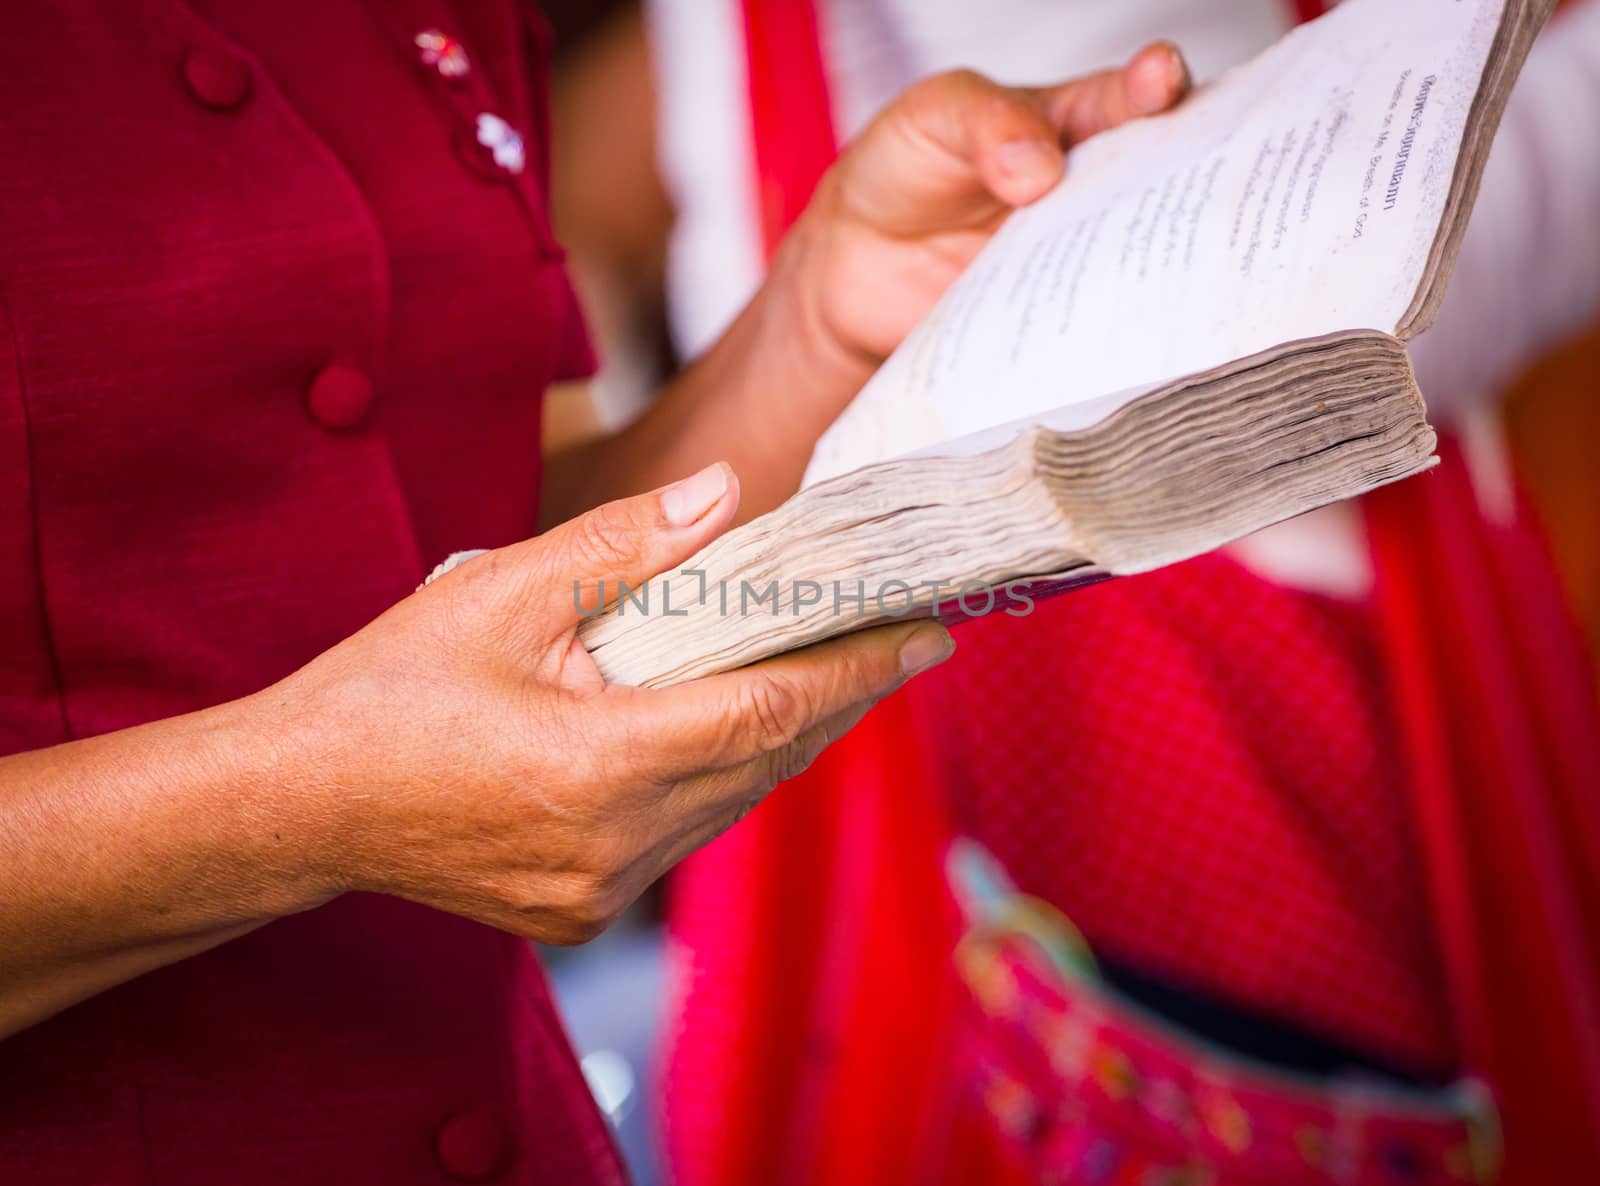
{"points": [[473, 1146], [339, 397], [183, 585], [220, 80]]}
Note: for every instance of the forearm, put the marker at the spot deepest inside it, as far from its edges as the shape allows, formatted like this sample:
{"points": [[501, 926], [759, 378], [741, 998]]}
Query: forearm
{"points": [[121, 853], [759, 399]]}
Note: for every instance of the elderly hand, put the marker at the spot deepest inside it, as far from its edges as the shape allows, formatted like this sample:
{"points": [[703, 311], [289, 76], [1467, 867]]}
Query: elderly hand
{"points": [[913, 199], [461, 751], [475, 761]]}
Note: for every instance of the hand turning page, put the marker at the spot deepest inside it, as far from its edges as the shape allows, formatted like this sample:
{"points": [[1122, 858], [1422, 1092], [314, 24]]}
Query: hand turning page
{"points": [[1296, 196], [1199, 332]]}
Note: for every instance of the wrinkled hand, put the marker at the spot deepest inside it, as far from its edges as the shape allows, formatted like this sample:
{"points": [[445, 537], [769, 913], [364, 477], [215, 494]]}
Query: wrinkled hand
{"points": [[478, 763], [913, 199]]}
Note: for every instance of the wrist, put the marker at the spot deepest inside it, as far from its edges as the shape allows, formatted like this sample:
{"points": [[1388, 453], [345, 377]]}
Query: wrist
{"points": [[759, 398], [282, 800], [791, 372], [803, 269]]}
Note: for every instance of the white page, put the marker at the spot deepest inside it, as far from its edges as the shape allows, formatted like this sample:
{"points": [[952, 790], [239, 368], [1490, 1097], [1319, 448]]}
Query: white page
{"points": [[1298, 195]]}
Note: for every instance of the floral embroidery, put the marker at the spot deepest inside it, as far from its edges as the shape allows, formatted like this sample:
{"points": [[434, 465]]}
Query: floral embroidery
{"points": [[1090, 1092], [1313, 1144], [1012, 1104], [1168, 1102], [443, 52], [1228, 1122], [504, 141], [1115, 1074]]}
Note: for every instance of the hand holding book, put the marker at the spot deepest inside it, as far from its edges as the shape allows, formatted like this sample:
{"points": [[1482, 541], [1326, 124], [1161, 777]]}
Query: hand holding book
{"points": [[892, 223], [1200, 332], [921, 191]]}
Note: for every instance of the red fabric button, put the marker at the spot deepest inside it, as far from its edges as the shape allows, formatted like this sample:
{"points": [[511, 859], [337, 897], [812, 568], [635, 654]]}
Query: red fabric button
{"points": [[219, 79], [339, 396], [473, 1146]]}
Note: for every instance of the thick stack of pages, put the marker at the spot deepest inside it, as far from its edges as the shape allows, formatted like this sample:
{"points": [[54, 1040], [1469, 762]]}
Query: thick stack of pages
{"points": [[1274, 242]]}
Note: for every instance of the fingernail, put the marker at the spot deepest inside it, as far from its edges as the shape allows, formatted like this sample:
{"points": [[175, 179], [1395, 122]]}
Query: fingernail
{"points": [[1177, 69], [1161, 77], [687, 501], [927, 647], [1031, 160]]}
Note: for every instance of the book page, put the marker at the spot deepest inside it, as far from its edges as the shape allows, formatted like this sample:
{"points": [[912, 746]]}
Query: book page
{"points": [[1296, 196]]}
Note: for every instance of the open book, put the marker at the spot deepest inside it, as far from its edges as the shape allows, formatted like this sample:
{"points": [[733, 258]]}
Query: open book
{"points": [[1199, 333]]}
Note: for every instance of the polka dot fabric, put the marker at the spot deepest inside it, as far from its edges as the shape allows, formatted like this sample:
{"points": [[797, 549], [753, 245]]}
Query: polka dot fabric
{"points": [[1194, 765]]}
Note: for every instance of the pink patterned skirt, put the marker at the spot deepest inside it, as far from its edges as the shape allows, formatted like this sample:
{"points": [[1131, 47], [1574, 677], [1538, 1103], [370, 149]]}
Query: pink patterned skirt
{"points": [[1091, 1088]]}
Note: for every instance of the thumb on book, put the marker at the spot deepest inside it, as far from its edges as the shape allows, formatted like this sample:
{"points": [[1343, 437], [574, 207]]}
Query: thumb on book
{"points": [[1153, 80], [575, 568]]}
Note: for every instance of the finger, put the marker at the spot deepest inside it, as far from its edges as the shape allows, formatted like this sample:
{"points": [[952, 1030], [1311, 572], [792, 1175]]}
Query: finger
{"points": [[723, 799], [572, 570], [1015, 135], [1155, 79], [726, 720], [750, 783], [733, 790], [1004, 132], [681, 823], [687, 823]]}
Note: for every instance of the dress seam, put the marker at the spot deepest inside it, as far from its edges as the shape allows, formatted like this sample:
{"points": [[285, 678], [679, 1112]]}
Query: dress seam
{"points": [[8, 324]]}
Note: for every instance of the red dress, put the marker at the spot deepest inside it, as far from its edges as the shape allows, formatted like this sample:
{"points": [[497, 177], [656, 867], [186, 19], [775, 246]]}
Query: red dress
{"points": [[273, 328], [1374, 824]]}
